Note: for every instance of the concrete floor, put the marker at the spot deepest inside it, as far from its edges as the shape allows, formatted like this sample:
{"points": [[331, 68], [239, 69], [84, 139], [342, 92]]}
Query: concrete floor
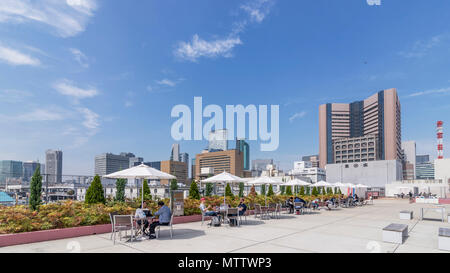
{"points": [[343, 230]]}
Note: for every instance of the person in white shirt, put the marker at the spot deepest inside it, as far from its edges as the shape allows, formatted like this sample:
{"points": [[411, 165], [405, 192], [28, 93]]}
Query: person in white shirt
{"points": [[142, 217]]}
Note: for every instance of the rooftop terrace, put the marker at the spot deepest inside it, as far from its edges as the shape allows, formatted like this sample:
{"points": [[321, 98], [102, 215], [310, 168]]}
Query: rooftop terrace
{"points": [[356, 229]]}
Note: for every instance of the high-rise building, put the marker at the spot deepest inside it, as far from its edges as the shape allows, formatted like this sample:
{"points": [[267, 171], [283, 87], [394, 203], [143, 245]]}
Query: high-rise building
{"points": [[244, 148], [135, 161], [425, 170], [184, 157], [175, 154], [109, 163], [218, 140], [260, 165], [176, 168], [29, 168], [409, 156], [10, 169], [422, 159], [231, 161], [378, 116], [53, 166], [314, 159]]}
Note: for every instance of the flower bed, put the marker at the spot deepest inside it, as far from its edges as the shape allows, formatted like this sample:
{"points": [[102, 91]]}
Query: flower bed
{"points": [[71, 214]]}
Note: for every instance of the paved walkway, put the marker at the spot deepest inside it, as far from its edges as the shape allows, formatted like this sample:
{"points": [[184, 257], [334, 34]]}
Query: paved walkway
{"points": [[343, 230]]}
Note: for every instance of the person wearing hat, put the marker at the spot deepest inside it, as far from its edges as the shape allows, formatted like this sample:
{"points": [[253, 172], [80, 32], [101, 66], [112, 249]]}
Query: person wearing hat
{"points": [[206, 210]]}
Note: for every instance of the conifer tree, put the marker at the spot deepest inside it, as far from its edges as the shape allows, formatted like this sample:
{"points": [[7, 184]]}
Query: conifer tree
{"points": [[36, 189], [94, 193]]}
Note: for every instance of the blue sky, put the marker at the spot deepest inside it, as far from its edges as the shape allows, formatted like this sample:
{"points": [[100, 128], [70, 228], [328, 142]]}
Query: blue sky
{"points": [[95, 76]]}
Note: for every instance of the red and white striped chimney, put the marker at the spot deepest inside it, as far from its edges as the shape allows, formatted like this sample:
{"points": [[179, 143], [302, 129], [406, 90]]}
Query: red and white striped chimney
{"points": [[440, 139]]}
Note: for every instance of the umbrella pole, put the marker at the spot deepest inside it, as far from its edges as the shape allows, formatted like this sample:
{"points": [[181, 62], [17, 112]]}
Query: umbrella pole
{"points": [[142, 201]]}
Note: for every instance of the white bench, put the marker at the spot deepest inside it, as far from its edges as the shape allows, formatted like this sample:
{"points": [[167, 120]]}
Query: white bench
{"points": [[444, 239], [406, 215], [395, 233]]}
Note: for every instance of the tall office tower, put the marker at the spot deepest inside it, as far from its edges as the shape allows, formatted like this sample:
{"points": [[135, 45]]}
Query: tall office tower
{"points": [[184, 157], [53, 165], [409, 156], [230, 161], [175, 154], [243, 146], [422, 159], [135, 161], [10, 169], [29, 168], [218, 140], [109, 163], [378, 117]]}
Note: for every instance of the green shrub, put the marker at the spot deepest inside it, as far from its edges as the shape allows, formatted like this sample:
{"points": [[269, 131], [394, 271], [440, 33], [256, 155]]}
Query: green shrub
{"points": [[95, 194]]}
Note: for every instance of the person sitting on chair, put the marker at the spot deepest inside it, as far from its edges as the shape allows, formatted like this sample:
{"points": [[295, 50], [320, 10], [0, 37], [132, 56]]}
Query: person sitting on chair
{"points": [[242, 207], [141, 217], [164, 214], [290, 204], [315, 204], [207, 211]]}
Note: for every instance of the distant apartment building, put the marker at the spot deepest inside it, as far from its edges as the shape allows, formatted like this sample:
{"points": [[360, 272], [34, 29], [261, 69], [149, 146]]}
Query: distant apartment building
{"points": [[29, 168], [314, 159], [135, 161], [356, 149], [442, 170], [176, 168], [218, 140], [10, 170], [231, 161], [378, 117], [53, 166], [109, 163], [305, 169], [260, 165]]}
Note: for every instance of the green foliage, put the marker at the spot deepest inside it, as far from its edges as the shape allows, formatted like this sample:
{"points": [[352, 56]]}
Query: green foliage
{"points": [[253, 191], [228, 191], [241, 189], [263, 189], [120, 189], [314, 192], [194, 192], [289, 190], [302, 191], [173, 185], [95, 194], [339, 191], [209, 189], [36, 189], [329, 191], [282, 189], [147, 195], [308, 191], [270, 191]]}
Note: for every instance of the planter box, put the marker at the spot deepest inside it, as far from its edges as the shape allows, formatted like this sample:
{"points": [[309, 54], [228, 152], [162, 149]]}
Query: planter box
{"points": [[57, 234], [444, 239], [395, 233]]}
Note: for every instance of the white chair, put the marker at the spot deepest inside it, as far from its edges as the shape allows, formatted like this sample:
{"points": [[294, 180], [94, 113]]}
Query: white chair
{"points": [[235, 215], [170, 226]]}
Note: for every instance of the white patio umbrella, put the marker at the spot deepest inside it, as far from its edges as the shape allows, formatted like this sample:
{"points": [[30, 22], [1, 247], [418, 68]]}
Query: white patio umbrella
{"points": [[297, 182], [322, 184], [224, 178], [264, 180], [339, 184], [361, 186], [140, 172]]}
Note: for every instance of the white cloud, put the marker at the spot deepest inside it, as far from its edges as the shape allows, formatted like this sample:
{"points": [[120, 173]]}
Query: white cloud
{"points": [[128, 104], [40, 115], [14, 96], [297, 116], [15, 57], [257, 10], [79, 57], [90, 118], [68, 18], [422, 48], [430, 92], [67, 88], [198, 47], [166, 82]]}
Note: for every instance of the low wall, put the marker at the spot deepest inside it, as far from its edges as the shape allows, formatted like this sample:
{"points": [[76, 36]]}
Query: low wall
{"points": [[57, 234]]}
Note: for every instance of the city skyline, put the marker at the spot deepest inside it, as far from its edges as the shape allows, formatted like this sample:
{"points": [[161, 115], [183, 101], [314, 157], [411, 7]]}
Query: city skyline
{"points": [[88, 94]]}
